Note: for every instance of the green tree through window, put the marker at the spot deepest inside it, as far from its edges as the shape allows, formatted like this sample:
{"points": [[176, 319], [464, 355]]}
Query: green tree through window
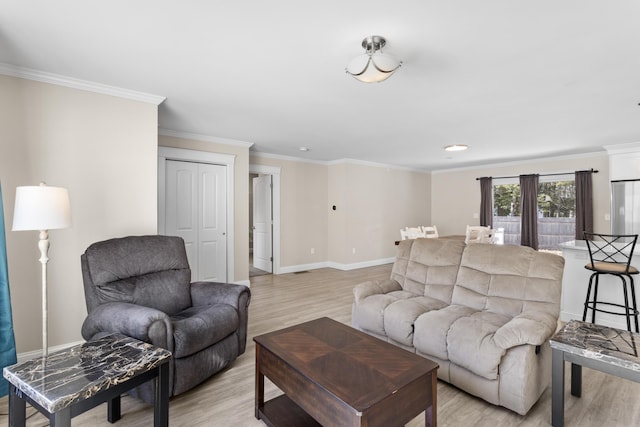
{"points": [[556, 212], [506, 200]]}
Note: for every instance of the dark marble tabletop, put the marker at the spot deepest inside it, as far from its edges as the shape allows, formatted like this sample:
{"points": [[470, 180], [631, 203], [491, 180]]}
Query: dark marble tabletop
{"points": [[80, 372], [614, 346]]}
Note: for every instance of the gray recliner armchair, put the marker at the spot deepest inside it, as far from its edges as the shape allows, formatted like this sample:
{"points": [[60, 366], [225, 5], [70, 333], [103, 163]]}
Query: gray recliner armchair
{"points": [[140, 286]]}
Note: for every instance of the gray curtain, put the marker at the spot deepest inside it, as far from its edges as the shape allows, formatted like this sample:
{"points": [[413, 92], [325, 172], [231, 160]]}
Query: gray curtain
{"points": [[529, 211], [486, 201], [584, 203]]}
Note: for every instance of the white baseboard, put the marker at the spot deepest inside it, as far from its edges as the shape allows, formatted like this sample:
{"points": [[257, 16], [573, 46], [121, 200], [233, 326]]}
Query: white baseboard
{"points": [[357, 265], [336, 265], [302, 267]]}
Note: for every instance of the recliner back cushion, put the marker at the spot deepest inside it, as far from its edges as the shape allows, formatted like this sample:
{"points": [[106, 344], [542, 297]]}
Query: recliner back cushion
{"points": [[428, 266], [152, 271], [509, 280]]}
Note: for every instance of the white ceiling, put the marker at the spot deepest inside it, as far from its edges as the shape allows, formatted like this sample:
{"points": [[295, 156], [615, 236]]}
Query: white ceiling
{"points": [[513, 79]]}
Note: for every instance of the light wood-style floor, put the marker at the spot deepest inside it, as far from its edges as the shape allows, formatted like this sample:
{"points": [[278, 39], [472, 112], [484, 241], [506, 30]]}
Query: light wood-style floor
{"points": [[227, 399]]}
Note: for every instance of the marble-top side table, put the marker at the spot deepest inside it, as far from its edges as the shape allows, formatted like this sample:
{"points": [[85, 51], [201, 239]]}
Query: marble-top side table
{"points": [[71, 381], [609, 350]]}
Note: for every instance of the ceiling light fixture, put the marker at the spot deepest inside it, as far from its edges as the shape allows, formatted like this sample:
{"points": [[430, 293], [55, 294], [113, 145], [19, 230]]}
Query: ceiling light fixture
{"points": [[456, 147], [373, 66], [303, 149]]}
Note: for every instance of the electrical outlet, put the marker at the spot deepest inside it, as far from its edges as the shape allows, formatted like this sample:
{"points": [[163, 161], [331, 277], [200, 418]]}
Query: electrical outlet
{"points": [[476, 215], [313, 251], [353, 250], [607, 217]]}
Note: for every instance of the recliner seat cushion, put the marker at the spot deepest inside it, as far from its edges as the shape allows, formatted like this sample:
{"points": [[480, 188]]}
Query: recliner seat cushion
{"points": [[470, 343], [399, 317], [432, 329], [370, 311], [199, 327]]}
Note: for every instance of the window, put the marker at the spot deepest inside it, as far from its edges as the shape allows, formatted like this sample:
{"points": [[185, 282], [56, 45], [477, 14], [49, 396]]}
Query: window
{"points": [[556, 212]]}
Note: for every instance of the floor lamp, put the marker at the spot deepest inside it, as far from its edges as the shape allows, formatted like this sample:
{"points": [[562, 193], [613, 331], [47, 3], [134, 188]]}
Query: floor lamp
{"points": [[42, 208]]}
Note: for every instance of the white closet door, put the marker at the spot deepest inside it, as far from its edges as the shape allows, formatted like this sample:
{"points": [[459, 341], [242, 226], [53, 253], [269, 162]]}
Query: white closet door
{"points": [[196, 210], [212, 222]]}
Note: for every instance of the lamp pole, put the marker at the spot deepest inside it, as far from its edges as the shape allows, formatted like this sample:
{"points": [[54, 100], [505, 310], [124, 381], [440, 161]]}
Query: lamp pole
{"points": [[43, 245]]}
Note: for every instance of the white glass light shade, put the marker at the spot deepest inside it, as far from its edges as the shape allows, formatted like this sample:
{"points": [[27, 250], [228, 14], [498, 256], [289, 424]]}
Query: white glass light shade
{"points": [[41, 208], [373, 68]]}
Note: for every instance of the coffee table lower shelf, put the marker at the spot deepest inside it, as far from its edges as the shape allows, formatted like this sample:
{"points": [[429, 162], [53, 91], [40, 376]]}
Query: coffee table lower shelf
{"points": [[281, 411]]}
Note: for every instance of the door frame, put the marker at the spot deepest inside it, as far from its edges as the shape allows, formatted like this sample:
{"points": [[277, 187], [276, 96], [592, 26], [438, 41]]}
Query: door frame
{"points": [[181, 154], [274, 171]]}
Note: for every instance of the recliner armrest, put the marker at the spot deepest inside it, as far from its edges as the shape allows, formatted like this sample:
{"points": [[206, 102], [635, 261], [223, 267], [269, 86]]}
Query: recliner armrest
{"points": [[209, 293], [527, 328], [373, 287], [238, 296], [143, 323]]}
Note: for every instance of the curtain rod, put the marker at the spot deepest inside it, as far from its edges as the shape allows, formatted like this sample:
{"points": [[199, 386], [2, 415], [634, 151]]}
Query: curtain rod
{"points": [[542, 174]]}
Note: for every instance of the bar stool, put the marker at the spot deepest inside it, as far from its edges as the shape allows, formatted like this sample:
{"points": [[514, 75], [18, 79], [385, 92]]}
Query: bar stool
{"points": [[611, 254]]}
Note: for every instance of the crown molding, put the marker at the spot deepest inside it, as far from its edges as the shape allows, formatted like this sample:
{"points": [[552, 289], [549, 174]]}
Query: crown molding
{"points": [[375, 165], [335, 162], [260, 154], [632, 147], [522, 162], [59, 80], [204, 138]]}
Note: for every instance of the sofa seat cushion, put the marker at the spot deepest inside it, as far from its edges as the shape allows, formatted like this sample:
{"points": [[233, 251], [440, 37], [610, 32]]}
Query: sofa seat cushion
{"points": [[368, 312], [470, 343], [199, 327], [432, 328], [400, 316]]}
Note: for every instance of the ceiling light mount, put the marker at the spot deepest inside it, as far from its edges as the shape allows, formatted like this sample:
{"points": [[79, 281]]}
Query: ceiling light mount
{"points": [[373, 43], [373, 66]]}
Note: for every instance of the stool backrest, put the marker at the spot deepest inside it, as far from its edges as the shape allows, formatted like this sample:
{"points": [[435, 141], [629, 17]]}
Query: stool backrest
{"points": [[611, 248]]}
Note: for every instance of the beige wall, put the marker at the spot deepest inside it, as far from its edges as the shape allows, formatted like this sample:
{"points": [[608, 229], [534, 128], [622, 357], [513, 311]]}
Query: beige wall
{"points": [[456, 194], [303, 210], [104, 150], [372, 204], [241, 195]]}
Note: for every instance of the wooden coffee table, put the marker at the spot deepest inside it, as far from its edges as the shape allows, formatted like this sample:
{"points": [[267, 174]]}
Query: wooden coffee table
{"points": [[334, 375]]}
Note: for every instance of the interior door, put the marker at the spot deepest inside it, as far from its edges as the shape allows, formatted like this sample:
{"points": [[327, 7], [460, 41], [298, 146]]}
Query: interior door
{"points": [[262, 223], [195, 209]]}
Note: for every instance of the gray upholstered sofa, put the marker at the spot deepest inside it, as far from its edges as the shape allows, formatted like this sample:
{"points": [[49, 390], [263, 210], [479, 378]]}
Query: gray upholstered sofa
{"points": [[484, 312], [140, 286]]}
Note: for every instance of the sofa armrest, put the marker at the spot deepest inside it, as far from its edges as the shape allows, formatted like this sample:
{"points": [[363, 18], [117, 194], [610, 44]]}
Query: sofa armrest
{"points": [[136, 321], [532, 328], [373, 287]]}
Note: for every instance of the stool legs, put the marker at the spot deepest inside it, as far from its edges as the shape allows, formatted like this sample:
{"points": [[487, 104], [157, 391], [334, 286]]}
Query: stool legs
{"points": [[629, 309], [626, 303], [633, 301]]}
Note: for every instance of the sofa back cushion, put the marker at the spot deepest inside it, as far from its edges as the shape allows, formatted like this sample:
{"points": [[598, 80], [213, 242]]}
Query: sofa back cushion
{"points": [[509, 280], [428, 266], [152, 271]]}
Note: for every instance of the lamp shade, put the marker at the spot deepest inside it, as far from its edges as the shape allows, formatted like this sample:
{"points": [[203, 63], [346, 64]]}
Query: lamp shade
{"points": [[373, 68], [41, 208]]}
